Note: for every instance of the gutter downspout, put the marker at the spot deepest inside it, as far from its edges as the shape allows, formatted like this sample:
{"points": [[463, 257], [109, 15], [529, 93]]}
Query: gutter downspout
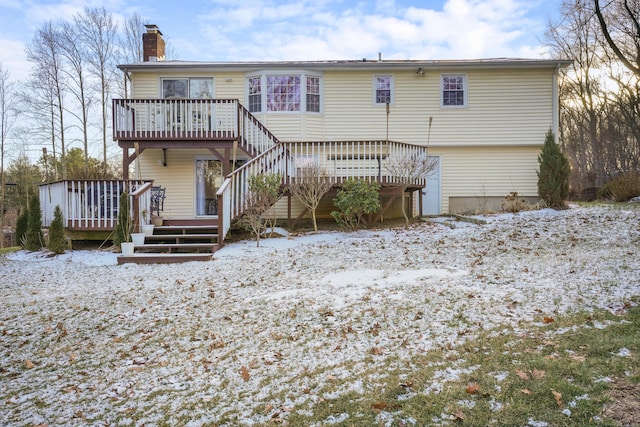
{"points": [[555, 125]]}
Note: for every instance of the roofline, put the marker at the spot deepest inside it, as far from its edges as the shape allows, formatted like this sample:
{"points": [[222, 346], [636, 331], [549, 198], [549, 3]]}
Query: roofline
{"points": [[364, 64]]}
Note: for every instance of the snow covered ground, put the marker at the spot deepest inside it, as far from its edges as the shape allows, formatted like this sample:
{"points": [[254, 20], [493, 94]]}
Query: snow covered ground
{"points": [[85, 341]]}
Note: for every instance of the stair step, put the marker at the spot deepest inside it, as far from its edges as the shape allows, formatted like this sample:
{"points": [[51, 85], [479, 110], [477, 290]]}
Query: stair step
{"points": [[174, 247], [177, 237], [147, 258], [184, 228]]}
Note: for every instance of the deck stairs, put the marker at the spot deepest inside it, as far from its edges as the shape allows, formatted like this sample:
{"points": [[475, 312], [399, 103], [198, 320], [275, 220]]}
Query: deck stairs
{"points": [[176, 241]]}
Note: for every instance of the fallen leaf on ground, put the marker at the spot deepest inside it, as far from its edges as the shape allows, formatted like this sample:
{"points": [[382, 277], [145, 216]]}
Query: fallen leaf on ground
{"points": [[522, 374], [526, 391], [472, 388], [245, 373], [558, 397], [458, 416], [548, 320], [380, 405], [538, 373]]}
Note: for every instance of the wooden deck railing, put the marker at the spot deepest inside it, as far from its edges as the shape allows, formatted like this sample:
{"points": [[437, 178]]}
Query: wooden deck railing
{"points": [[175, 119], [368, 160], [93, 204], [190, 120]]}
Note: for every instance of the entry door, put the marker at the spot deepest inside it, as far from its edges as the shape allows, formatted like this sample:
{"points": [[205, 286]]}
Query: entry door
{"points": [[431, 194], [208, 179]]}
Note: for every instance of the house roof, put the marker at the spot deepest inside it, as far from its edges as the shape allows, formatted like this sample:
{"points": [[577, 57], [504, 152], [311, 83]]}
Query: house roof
{"points": [[363, 64]]}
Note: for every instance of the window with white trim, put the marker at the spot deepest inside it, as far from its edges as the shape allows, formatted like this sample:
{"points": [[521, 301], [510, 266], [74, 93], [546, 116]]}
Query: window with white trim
{"points": [[313, 94], [453, 90], [383, 89], [255, 94], [284, 93], [195, 88]]}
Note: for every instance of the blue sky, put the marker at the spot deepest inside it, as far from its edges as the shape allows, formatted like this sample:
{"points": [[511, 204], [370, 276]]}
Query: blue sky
{"points": [[228, 30]]}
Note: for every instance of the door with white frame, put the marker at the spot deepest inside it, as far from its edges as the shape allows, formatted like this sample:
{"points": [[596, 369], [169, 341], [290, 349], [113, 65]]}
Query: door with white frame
{"points": [[209, 177], [431, 194]]}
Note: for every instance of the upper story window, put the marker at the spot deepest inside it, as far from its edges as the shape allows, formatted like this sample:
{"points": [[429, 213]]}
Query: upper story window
{"points": [[284, 93], [194, 88], [255, 94], [454, 90], [313, 94], [383, 89]]}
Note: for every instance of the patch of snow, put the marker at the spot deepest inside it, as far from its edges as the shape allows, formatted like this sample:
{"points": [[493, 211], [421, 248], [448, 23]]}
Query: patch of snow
{"points": [[534, 423], [152, 344], [623, 352]]}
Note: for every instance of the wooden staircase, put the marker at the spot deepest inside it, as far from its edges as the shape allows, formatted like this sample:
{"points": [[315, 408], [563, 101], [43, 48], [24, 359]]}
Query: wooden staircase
{"points": [[176, 241]]}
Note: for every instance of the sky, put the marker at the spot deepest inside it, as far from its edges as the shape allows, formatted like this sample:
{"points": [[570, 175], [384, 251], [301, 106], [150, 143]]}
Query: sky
{"points": [[256, 30]]}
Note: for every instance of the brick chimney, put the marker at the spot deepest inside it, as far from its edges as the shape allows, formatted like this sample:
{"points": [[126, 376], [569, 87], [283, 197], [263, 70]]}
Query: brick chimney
{"points": [[152, 44]]}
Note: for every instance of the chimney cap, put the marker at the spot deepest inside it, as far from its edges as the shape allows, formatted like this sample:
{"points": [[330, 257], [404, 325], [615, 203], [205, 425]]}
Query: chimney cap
{"points": [[152, 28]]}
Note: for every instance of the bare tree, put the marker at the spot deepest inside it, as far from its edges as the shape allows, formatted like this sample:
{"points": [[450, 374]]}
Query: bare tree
{"points": [[8, 115], [98, 33], [408, 170], [620, 26], [131, 40], [264, 192], [311, 184], [77, 82], [44, 53], [598, 120], [577, 37]]}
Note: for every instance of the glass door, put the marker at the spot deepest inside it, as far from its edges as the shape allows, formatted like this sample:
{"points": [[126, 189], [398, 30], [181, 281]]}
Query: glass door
{"points": [[208, 179]]}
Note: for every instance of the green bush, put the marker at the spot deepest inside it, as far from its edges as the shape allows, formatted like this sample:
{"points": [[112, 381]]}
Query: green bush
{"points": [[356, 199], [34, 237], [553, 176], [124, 227], [57, 241], [21, 228], [621, 188]]}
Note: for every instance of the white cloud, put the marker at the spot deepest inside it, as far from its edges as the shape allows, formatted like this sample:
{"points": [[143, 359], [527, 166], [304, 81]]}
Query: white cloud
{"points": [[259, 30]]}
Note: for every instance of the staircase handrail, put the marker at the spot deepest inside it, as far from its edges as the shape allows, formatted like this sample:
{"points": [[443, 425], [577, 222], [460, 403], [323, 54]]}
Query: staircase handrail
{"points": [[234, 190]]}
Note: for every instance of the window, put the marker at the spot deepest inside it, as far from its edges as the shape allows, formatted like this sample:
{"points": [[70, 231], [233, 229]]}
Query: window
{"points": [[284, 93], [454, 91], [383, 87], [313, 94], [200, 88], [174, 88], [255, 94]]}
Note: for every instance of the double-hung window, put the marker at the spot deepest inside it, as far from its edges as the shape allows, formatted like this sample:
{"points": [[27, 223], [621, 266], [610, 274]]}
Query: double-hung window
{"points": [[313, 94], [289, 92], [453, 90], [383, 89], [255, 94]]}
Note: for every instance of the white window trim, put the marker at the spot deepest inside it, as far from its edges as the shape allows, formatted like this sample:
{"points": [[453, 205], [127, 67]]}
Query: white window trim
{"points": [[391, 88], [464, 88], [303, 90]]}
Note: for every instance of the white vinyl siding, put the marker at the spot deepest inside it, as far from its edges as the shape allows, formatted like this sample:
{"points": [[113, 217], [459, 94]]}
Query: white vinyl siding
{"points": [[491, 172], [489, 147]]}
